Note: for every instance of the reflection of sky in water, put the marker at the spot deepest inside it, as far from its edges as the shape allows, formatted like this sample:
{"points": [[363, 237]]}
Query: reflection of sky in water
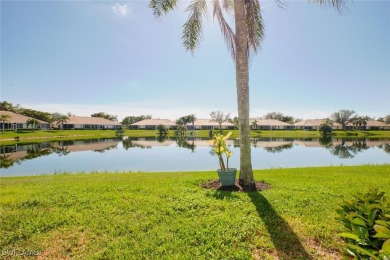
{"points": [[169, 157]]}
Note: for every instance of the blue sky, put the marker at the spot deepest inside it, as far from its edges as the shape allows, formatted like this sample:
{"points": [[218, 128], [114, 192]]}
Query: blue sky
{"points": [[114, 56]]}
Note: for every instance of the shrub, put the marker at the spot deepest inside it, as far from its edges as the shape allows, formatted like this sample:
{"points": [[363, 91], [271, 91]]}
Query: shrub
{"points": [[120, 132], [366, 223], [325, 129]]}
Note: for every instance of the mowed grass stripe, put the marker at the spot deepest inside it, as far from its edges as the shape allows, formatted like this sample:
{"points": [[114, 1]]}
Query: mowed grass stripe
{"points": [[168, 215]]}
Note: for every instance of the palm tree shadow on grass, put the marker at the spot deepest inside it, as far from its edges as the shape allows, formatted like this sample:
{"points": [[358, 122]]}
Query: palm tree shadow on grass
{"points": [[286, 242]]}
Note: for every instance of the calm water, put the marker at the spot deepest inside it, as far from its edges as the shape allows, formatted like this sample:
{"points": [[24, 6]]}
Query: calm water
{"points": [[145, 154]]}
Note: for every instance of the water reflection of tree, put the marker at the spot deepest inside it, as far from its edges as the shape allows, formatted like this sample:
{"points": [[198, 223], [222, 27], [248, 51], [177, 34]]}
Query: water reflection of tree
{"points": [[360, 144], [6, 161], [161, 138], [103, 150], [60, 150], [278, 149], [184, 143], [343, 150], [386, 148], [326, 141], [35, 151], [128, 144]]}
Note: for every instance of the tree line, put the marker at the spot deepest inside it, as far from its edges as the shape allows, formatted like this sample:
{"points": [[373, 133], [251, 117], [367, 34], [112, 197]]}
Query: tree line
{"points": [[342, 117], [45, 116]]}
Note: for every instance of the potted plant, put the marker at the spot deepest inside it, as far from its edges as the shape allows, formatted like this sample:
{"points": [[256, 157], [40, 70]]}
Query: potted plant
{"points": [[226, 175]]}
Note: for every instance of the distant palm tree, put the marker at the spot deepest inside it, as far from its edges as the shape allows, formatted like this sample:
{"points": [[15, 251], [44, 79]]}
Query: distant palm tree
{"points": [[355, 122], [33, 122], [192, 119], [243, 41], [4, 118], [254, 125], [362, 121], [60, 118]]}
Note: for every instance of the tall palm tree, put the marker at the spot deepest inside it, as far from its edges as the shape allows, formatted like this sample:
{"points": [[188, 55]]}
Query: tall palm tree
{"points": [[244, 40], [4, 118]]}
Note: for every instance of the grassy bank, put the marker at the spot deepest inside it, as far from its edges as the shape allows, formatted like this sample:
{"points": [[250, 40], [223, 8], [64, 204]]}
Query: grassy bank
{"points": [[27, 135], [168, 215], [54, 135]]}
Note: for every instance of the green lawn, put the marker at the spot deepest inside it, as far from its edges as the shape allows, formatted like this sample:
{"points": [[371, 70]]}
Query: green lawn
{"points": [[28, 135], [169, 216]]}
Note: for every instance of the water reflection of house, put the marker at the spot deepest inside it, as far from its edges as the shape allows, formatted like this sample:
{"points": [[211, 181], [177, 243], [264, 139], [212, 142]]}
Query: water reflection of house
{"points": [[79, 146], [17, 121], [15, 155], [206, 143], [81, 122], [340, 141], [271, 144], [314, 124], [308, 143], [153, 143]]}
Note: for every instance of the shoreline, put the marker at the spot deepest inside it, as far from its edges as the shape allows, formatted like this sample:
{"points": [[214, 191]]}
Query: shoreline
{"points": [[91, 134]]}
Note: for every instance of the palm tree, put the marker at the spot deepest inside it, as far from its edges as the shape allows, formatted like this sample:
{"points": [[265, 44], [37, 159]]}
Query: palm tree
{"points": [[254, 125], [362, 121], [4, 118], [192, 119], [33, 122], [355, 122], [245, 40], [60, 118]]}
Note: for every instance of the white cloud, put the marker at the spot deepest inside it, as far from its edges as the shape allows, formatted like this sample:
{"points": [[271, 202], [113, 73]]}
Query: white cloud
{"points": [[120, 9]]}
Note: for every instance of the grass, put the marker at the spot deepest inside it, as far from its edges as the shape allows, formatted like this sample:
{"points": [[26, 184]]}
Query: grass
{"points": [[168, 215], [28, 135], [55, 134]]}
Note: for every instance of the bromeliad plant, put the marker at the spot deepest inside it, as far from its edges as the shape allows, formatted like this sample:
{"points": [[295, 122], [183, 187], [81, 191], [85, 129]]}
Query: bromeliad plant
{"points": [[366, 223], [220, 148]]}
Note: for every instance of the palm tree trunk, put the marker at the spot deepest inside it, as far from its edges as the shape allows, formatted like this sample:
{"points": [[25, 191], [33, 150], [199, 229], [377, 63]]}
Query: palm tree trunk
{"points": [[246, 178]]}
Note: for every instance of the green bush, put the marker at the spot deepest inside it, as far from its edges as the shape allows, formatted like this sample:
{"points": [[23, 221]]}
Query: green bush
{"points": [[325, 129], [366, 223]]}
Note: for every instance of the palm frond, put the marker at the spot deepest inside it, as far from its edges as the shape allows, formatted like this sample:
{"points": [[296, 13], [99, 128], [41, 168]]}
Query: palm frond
{"points": [[255, 25], [281, 3], [192, 29], [228, 5], [340, 5], [162, 7], [226, 30]]}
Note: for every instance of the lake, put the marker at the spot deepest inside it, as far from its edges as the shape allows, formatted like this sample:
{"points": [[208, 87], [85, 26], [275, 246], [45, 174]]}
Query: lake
{"points": [[154, 154]]}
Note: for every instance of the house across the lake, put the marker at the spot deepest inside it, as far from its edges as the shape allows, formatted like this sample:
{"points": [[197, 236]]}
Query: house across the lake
{"points": [[151, 124], [208, 124], [314, 124], [269, 124], [89, 123], [17, 121], [370, 125]]}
